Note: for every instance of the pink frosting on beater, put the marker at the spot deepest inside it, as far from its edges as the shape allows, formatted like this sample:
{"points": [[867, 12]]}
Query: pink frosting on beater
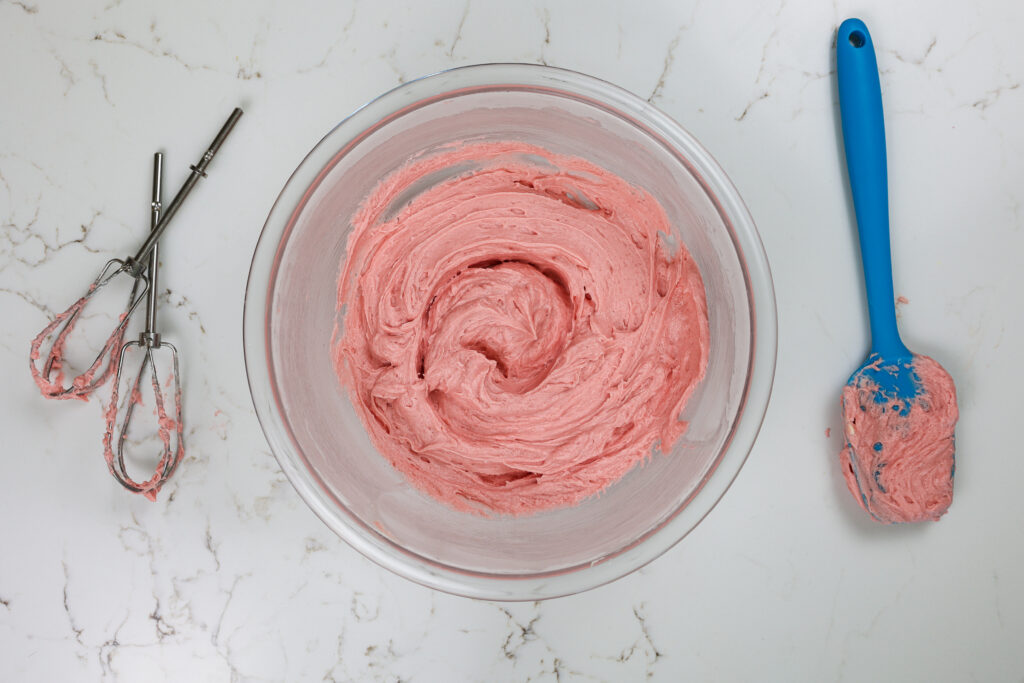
{"points": [[904, 462], [51, 383], [519, 336], [166, 426]]}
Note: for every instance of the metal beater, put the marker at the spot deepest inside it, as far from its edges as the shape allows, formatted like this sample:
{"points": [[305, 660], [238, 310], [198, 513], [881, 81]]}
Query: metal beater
{"points": [[169, 429], [50, 378]]}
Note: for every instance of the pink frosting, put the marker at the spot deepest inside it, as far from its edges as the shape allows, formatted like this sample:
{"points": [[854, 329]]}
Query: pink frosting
{"points": [[50, 379], [900, 467], [167, 426], [49, 375], [519, 336]]}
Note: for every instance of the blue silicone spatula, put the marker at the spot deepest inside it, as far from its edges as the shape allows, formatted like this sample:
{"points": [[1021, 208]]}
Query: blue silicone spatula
{"points": [[890, 374]]}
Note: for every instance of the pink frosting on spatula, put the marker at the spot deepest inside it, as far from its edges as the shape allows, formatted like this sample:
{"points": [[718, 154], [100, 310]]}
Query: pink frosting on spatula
{"points": [[898, 466]]}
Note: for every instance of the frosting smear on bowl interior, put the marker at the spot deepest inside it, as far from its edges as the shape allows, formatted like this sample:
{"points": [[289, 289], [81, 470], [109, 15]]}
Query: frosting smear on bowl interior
{"points": [[516, 332]]}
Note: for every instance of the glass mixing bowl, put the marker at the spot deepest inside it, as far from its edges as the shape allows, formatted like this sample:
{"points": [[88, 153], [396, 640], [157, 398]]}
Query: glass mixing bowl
{"points": [[309, 421]]}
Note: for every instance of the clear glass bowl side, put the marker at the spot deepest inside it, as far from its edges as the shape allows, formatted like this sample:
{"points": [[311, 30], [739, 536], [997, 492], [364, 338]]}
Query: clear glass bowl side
{"points": [[290, 316]]}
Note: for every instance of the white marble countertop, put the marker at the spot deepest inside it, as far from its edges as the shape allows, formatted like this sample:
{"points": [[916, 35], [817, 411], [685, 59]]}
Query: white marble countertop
{"points": [[230, 577]]}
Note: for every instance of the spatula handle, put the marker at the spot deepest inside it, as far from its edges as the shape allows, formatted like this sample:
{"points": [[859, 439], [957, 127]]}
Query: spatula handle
{"points": [[860, 105]]}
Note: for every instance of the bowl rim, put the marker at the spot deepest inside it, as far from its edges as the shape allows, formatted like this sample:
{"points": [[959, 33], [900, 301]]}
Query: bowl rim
{"points": [[371, 542]]}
